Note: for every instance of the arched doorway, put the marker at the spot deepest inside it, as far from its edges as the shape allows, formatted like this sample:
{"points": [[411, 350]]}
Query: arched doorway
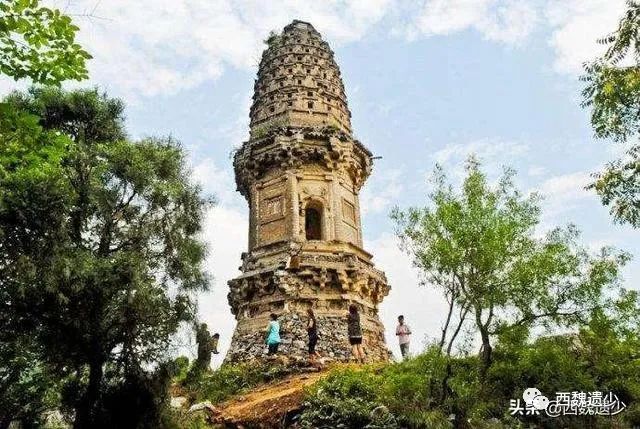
{"points": [[313, 222]]}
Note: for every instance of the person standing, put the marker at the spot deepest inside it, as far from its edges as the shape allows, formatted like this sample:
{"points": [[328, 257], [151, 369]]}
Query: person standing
{"points": [[354, 331], [207, 344], [273, 335], [403, 332], [312, 331]]}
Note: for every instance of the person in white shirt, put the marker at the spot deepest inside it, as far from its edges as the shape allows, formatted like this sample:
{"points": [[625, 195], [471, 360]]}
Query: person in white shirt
{"points": [[403, 332]]}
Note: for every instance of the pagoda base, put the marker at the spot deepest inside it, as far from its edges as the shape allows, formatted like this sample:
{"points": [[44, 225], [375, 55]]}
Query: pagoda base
{"points": [[248, 342], [327, 282]]}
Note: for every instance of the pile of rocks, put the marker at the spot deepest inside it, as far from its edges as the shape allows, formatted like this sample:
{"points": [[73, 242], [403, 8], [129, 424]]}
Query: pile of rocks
{"points": [[333, 342]]}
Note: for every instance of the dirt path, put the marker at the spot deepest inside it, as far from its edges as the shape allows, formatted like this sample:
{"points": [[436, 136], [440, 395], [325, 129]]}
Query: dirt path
{"points": [[267, 405]]}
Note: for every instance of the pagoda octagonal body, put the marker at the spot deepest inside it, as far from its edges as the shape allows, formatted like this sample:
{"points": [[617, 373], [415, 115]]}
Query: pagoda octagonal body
{"points": [[301, 172]]}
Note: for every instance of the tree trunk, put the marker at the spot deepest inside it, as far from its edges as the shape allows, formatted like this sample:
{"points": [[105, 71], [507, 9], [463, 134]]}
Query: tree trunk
{"points": [[86, 409], [446, 390], [445, 328], [485, 354], [5, 422]]}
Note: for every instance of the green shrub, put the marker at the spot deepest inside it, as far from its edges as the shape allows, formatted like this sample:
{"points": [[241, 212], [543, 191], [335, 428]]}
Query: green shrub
{"points": [[180, 419], [410, 394], [180, 368], [415, 383], [230, 379], [347, 398]]}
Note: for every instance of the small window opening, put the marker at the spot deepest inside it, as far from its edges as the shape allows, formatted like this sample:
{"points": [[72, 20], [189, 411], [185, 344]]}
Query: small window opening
{"points": [[313, 223]]}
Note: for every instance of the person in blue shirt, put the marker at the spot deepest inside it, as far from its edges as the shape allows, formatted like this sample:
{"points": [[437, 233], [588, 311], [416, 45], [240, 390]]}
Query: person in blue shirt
{"points": [[273, 335]]}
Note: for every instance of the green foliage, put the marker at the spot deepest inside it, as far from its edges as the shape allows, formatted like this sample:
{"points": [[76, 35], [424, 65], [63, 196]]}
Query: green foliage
{"points": [[602, 356], [138, 400], [181, 368], [181, 419], [263, 130], [407, 393], [273, 40], [37, 42], [618, 186], [99, 261], [612, 89], [27, 151], [347, 399], [230, 379], [27, 388], [612, 92], [31, 186], [480, 247]]}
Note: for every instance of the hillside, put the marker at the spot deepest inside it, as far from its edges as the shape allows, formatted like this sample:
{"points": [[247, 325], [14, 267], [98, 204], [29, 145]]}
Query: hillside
{"points": [[268, 405], [269, 398]]}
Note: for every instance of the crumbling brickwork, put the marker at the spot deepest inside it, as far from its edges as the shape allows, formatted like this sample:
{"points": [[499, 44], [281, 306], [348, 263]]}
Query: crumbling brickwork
{"points": [[301, 172]]}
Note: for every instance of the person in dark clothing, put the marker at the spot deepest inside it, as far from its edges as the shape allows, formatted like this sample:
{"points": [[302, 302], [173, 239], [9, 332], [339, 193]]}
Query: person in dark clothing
{"points": [[207, 344], [312, 331], [354, 331]]}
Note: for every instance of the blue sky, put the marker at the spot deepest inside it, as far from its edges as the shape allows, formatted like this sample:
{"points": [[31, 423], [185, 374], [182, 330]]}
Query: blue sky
{"points": [[427, 82]]}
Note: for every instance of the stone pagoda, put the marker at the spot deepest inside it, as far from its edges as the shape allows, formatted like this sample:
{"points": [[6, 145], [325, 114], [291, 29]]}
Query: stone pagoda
{"points": [[301, 172]]}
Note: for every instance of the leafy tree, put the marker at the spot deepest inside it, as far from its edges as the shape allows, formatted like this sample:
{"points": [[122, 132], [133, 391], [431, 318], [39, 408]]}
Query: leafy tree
{"points": [[100, 265], [601, 356], [619, 187], [480, 246], [32, 187], [39, 43], [27, 388], [612, 91]]}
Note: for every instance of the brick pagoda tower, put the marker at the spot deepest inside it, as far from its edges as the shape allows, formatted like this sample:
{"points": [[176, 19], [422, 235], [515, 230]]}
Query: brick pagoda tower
{"points": [[301, 171]]}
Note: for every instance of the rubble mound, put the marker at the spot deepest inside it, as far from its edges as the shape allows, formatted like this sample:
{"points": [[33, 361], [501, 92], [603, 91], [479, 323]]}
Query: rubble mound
{"points": [[268, 406]]}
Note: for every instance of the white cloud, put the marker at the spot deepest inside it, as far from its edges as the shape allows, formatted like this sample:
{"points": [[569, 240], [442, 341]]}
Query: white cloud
{"points": [[567, 187], [225, 231], [486, 149], [577, 24], [493, 154], [562, 194], [381, 191], [144, 49], [536, 171], [424, 307], [505, 21], [218, 182], [226, 234], [574, 25]]}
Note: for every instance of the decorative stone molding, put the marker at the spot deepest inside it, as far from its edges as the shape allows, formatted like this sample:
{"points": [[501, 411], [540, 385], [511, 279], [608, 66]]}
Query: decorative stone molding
{"points": [[288, 148]]}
